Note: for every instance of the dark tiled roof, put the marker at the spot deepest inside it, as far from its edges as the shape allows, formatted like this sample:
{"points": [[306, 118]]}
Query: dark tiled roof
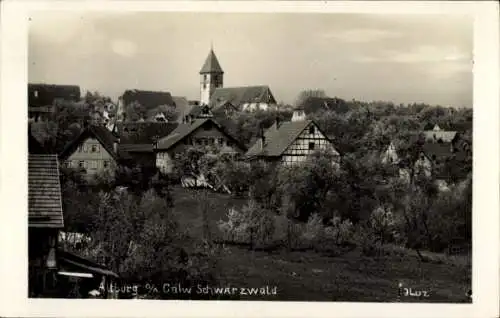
{"points": [[278, 140], [135, 147], [73, 261], [437, 151], [200, 111], [314, 104], [184, 130], [103, 135], [211, 64], [240, 95], [44, 192], [148, 99], [143, 132], [45, 94]]}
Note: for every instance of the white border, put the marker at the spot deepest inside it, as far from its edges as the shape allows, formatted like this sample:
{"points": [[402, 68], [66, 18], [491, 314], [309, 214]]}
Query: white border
{"points": [[13, 187]]}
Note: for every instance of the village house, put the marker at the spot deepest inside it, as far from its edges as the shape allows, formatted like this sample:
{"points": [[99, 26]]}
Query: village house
{"points": [[155, 105], [138, 139], [298, 114], [425, 158], [201, 132], [246, 98], [94, 151], [41, 99], [289, 142], [439, 135]]}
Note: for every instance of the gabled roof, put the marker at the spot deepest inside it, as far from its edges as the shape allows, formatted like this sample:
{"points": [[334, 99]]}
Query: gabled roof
{"points": [[278, 140], [45, 94], [102, 134], [184, 130], [211, 64], [44, 192], [143, 132], [148, 99], [241, 95]]}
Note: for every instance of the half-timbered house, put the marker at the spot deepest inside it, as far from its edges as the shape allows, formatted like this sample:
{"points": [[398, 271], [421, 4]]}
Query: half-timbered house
{"points": [[290, 142], [94, 151], [202, 132]]}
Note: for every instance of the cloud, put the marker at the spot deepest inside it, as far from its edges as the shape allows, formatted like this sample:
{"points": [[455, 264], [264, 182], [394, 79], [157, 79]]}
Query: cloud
{"points": [[124, 48], [418, 54], [361, 35]]}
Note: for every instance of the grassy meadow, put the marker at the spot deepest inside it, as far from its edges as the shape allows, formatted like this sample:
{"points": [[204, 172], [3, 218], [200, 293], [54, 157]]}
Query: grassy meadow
{"points": [[314, 276]]}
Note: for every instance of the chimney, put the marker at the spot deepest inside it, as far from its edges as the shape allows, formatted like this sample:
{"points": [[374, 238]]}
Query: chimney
{"points": [[262, 139], [115, 145]]}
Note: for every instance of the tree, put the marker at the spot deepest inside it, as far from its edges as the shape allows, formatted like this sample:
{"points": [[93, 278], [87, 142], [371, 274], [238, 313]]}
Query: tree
{"points": [[135, 111], [303, 95], [308, 185]]}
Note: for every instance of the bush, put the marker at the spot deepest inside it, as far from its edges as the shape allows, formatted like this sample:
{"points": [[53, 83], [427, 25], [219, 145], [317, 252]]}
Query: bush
{"points": [[365, 239], [385, 225], [313, 231], [341, 232]]}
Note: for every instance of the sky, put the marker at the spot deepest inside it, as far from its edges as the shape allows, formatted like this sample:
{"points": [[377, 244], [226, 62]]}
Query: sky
{"points": [[398, 58]]}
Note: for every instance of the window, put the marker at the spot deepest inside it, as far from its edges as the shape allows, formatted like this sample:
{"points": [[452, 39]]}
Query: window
{"points": [[221, 141], [311, 130], [95, 148], [229, 143], [311, 145], [204, 85], [80, 148], [205, 77], [81, 164], [212, 141], [106, 164]]}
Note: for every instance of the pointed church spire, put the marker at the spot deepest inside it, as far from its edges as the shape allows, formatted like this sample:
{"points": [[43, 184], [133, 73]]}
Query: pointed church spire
{"points": [[211, 64]]}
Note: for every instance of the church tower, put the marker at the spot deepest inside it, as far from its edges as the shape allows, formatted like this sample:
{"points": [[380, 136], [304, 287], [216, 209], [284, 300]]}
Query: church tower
{"points": [[211, 75]]}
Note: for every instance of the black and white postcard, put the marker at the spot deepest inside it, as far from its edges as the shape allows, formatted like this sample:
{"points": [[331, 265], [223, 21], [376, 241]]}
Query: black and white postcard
{"points": [[253, 158]]}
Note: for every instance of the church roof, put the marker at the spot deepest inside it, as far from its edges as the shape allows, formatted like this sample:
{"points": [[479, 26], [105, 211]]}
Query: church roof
{"points": [[211, 64], [240, 95]]}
